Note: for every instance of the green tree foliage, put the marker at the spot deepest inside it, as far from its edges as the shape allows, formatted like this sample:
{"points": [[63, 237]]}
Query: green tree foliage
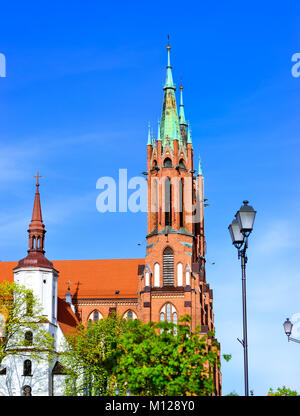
{"points": [[282, 391], [146, 359], [90, 355], [21, 325]]}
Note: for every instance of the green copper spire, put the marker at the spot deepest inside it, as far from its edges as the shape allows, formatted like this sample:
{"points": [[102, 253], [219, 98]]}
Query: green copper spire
{"points": [[169, 126], [200, 167], [169, 78], [149, 135], [181, 107]]}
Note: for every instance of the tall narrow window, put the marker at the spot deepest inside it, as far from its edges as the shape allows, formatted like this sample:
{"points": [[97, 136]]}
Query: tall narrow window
{"points": [[96, 316], [27, 368], [206, 314], [187, 278], [168, 312], [147, 279], [155, 204], [179, 274], [156, 275], [168, 202], [168, 265]]}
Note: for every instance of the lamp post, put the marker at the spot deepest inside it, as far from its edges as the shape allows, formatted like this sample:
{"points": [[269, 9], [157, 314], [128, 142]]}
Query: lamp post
{"points": [[288, 326], [240, 229]]}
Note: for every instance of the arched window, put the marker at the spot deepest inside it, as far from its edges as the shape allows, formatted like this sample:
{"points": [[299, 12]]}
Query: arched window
{"points": [[182, 164], [33, 242], [168, 312], [187, 278], [95, 316], [179, 274], [147, 279], [168, 267], [156, 275], [26, 391], [130, 315], [154, 206], [28, 338], [27, 368], [167, 163]]}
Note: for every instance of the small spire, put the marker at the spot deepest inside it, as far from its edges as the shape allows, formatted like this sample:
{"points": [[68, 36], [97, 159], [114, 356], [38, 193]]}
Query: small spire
{"points": [[36, 227], [181, 107], [200, 167], [149, 135], [169, 79], [36, 231], [37, 211]]}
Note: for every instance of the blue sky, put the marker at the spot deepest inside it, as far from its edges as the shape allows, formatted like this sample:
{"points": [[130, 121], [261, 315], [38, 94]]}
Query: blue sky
{"points": [[83, 81]]}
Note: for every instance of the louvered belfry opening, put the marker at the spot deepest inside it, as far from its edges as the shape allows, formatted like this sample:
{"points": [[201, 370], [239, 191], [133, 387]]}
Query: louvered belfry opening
{"points": [[168, 267]]}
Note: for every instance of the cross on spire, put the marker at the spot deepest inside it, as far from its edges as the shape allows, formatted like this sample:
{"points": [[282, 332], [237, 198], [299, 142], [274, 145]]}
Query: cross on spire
{"points": [[37, 179]]}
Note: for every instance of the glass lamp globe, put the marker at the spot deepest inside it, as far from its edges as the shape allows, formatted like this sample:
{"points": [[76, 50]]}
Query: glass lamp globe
{"points": [[288, 326], [235, 233], [245, 218]]}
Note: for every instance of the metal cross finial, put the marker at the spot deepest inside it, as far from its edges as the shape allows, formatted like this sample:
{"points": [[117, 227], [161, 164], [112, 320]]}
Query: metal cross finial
{"points": [[168, 46], [68, 282], [37, 179]]}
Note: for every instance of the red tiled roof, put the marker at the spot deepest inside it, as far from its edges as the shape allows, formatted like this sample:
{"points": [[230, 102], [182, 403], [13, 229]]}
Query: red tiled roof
{"points": [[91, 278], [66, 318]]}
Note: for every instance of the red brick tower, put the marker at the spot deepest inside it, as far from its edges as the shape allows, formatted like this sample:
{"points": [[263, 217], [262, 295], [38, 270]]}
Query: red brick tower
{"points": [[173, 282]]}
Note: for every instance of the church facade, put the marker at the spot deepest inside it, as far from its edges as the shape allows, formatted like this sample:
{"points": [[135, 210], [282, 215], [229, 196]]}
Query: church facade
{"points": [[168, 283]]}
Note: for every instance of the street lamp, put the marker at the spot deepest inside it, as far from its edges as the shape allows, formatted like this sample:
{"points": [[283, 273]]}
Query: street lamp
{"points": [[240, 229], [288, 326]]}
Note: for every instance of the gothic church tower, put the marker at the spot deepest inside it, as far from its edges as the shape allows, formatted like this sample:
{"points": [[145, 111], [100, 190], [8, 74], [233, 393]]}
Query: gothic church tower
{"points": [[173, 282]]}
